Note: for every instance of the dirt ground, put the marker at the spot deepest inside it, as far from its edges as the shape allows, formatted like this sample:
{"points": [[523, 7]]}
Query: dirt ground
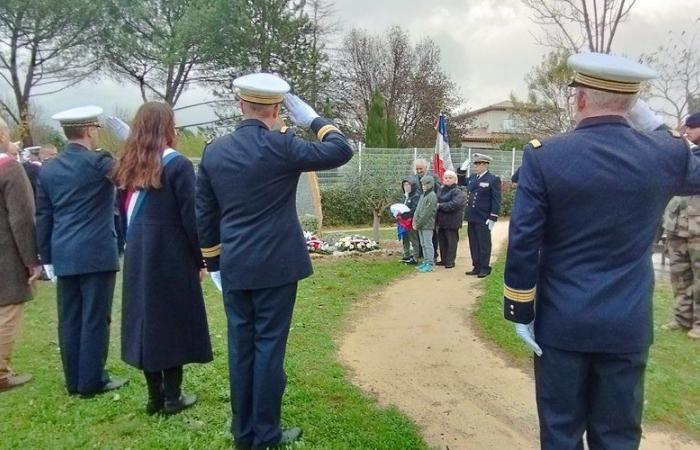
{"points": [[413, 345]]}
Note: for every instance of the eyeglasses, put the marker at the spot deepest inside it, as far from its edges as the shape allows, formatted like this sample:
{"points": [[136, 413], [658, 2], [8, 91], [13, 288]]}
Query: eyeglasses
{"points": [[478, 163]]}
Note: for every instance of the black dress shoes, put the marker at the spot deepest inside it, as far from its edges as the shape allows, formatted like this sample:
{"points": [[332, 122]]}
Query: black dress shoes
{"points": [[472, 272], [111, 385], [439, 263], [289, 436], [483, 274], [449, 266], [175, 406]]}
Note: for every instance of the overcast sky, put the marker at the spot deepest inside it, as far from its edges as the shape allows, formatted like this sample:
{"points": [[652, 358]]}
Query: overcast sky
{"points": [[487, 46]]}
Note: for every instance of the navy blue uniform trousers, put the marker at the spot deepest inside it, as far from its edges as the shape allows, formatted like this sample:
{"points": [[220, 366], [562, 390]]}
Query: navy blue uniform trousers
{"points": [[599, 393], [84, 316], [258, 326], [479, 237]]}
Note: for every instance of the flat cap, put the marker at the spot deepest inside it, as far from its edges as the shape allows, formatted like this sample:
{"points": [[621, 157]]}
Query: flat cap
{"points": [[609, 73], [261, 88]]}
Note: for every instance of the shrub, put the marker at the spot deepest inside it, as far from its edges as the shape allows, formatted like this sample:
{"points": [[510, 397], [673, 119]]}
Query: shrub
{"points": [[341, 206], [507, 195]]}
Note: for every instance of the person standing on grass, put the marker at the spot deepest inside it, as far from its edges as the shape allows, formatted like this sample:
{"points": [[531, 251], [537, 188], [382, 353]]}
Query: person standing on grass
{"points": [[682, 225], [579, 276], [78, 245], [424, 222], [164, 322], [253, 243], [19, 265], [448, 221]]}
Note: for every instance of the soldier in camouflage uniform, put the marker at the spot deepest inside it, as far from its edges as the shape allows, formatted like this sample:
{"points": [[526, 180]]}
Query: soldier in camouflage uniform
{"points": [[682, 225]]}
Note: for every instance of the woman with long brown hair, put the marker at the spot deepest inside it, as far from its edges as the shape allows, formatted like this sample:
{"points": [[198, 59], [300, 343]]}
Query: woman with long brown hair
{"points": [[164, 323]]}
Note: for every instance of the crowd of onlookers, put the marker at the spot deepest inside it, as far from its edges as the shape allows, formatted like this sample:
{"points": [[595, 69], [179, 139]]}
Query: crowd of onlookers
{"points": [[436, 209]]}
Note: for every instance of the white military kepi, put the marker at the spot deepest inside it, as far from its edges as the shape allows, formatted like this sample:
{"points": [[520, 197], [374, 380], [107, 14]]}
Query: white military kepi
{"points": [[261, 88], [84, 116], [609, 73]]}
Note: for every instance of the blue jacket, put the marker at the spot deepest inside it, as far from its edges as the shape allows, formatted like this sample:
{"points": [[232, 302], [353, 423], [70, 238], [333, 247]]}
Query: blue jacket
{"points": [[586, 211], [75, 212], [484, 198], [246, 208]]}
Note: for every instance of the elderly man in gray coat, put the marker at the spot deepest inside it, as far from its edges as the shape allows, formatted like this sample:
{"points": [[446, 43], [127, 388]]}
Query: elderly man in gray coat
{"points": [[19, 266]]}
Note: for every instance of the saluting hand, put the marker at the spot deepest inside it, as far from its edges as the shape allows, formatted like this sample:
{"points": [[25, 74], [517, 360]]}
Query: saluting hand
{"points": [[301, 113]]}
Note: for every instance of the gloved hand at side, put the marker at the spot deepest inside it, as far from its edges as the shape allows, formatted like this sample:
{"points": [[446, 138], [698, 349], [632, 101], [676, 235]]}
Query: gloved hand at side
{"points": [[526, 332]]}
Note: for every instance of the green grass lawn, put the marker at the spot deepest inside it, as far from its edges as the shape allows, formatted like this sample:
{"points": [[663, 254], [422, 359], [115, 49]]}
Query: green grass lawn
{"points": [[319, 398], [672, 388]]}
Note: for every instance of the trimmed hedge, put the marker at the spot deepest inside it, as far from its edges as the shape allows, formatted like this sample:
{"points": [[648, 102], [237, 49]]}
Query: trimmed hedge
{"points": [[341, 207]]}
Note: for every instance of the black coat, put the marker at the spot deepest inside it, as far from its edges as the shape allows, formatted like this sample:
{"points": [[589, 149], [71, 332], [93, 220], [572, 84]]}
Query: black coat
{"points": [[75, 212], [451, 203], [164, 322], [484, 201]]}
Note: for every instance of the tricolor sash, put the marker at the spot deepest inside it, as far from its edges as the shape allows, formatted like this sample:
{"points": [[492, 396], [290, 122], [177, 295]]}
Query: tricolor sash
{"points": [[136, 199]]}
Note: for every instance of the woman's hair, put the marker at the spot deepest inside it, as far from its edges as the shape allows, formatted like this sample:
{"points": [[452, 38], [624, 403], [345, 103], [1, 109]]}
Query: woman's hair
{"points": [[152, 131]]}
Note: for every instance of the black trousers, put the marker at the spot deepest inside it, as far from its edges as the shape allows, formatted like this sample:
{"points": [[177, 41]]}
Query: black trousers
{"points": [[480, 246], [258, 327], [599, 393], [164, 384], [448, 240], [84, 316]]}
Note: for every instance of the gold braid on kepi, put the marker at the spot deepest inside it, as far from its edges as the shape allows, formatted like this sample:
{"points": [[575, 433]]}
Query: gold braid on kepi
{"points": [[261, 88], [609, 73]]}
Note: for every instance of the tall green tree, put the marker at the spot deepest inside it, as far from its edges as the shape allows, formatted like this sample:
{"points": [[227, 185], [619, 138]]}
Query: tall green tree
{"points": [[376, 132], [545, 111], [45, 47], [392, 138], [162, 46]]}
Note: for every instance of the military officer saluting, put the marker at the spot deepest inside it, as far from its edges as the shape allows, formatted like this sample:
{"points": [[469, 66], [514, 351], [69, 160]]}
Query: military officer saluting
{"points": [[250, 232], [578, 276], [483, 207], [77, 242]]}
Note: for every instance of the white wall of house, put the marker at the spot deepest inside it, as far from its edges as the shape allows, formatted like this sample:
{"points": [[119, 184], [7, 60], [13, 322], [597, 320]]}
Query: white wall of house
{"points": [[495, 121]]}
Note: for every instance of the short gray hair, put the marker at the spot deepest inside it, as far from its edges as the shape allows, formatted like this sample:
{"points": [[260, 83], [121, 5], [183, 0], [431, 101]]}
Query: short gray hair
{"points": [[420, 160], [609, 100]]}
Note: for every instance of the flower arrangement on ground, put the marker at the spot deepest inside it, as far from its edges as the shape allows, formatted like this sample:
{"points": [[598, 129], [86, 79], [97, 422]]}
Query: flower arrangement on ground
{"points": [[317, 245], [356, 243]]}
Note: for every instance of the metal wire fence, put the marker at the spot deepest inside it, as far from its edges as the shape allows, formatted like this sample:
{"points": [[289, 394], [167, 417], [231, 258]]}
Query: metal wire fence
{"points": [[399, 162]]}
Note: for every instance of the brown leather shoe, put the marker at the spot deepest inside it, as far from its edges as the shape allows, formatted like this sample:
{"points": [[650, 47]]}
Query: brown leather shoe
{"points": [[14, 381]]}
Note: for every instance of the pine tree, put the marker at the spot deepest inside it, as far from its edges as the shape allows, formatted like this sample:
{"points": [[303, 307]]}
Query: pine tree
{"points": [[392, 138], [376, 130]]}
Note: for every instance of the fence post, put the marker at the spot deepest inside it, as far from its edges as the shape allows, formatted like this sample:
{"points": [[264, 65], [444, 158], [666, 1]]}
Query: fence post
{"points": [[469, 168], [359, 164], [512, 164], [415, 156]]}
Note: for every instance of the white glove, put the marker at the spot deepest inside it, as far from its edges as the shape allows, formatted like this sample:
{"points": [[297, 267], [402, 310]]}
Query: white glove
{"points": [[465, 165], [117, 126], [643, 118], [490, 224], [526, 332], [216, 278], [48, 268], [301, 113]]}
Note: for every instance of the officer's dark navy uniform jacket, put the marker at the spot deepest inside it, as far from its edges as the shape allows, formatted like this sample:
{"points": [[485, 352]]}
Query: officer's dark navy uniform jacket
{"points": [[75, 228], [586, 211], [75, 212], [248, 227], [484, 201]]}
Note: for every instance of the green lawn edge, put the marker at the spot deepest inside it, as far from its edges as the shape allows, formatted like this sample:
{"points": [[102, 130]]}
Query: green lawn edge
{"points": [[672, 397], [333, 413]]}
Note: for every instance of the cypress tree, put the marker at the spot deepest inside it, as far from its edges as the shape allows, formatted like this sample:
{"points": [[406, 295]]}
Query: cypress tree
{"points": [[376, 130]]}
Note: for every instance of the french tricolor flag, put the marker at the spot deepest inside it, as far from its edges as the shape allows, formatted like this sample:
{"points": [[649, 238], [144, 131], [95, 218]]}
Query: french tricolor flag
{"points": [[442, 160]]}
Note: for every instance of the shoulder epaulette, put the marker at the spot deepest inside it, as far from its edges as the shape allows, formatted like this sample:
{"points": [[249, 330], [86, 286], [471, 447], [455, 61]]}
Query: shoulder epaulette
{"points": [[675, 134], [209, 141], [535, 143], [284, 129]]}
